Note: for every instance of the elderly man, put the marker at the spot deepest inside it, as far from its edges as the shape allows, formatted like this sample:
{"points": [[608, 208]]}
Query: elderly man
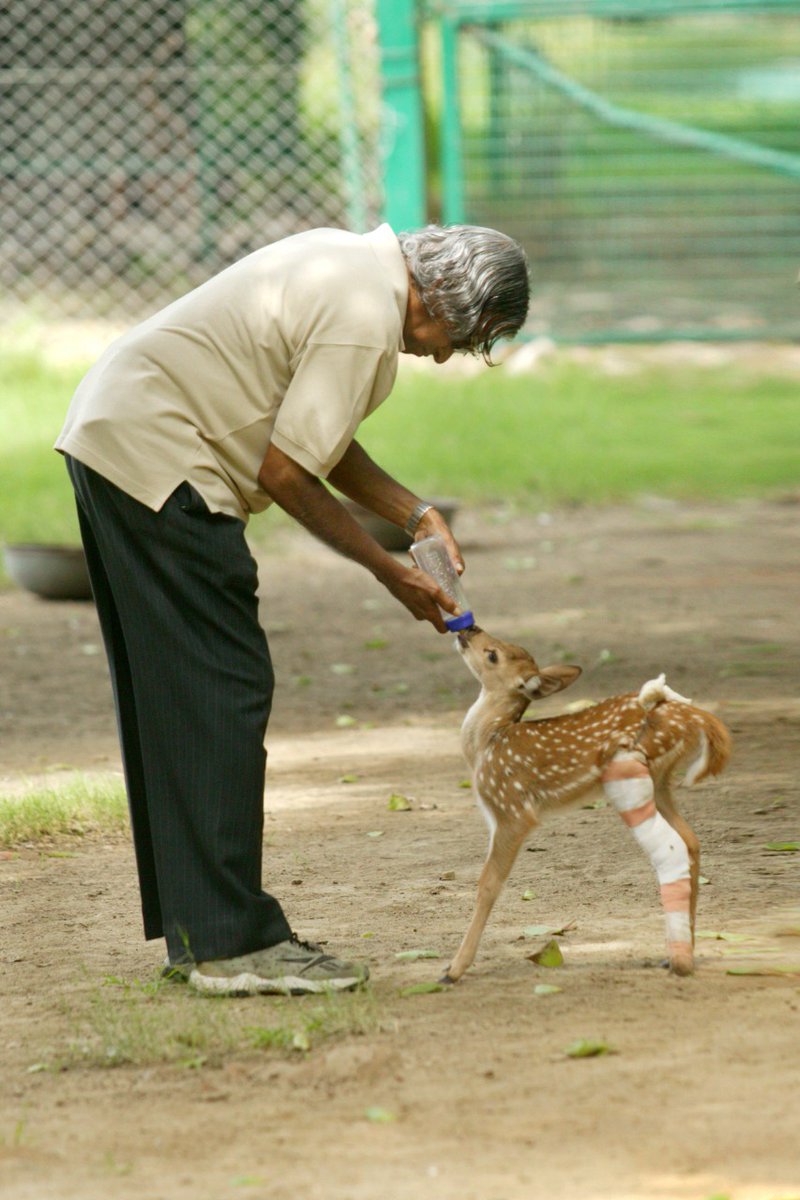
{"points": [[245, 392]]}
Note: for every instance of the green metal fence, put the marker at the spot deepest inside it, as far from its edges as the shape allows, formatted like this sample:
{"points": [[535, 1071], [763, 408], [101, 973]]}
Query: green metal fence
{"points": [[646, 152]]}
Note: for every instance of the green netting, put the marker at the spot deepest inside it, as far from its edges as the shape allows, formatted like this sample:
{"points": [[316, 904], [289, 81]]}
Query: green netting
{"points": [[647, 156]]}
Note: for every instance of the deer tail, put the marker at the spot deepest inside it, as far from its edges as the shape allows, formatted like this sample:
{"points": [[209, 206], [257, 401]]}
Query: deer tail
{"points": [[656, 691], [711, 743], [713, 748]]}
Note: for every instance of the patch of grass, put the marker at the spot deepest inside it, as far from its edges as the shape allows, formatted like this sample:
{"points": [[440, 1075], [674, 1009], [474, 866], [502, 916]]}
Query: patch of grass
{"points": [[147, 1022], [303, 1026], [144, 1023], [74, 809], [568, 434], [37, 502], [572, 435]]}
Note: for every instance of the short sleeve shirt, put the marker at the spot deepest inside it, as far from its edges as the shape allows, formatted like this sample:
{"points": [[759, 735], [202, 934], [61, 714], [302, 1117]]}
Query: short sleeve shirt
{"points": [[294, 345]]}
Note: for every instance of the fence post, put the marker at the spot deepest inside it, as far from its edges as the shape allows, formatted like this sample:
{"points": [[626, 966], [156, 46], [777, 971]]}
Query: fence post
{"points": [[452, 151], [402, 144]]}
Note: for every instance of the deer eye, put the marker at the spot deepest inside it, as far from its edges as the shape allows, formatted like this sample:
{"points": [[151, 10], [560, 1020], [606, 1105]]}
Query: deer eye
{"points": [[491, 655]]}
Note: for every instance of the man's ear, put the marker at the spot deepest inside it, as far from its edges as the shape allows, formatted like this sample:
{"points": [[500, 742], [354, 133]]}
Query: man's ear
{"points": [[550, 680]]}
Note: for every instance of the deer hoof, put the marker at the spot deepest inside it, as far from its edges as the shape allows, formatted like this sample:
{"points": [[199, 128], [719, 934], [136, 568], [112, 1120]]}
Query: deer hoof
{"points": [[681, 964], [447, 980]]}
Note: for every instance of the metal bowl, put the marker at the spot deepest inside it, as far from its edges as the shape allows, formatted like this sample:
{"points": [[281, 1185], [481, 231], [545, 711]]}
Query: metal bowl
{"points": [[54, 572], [390, 536]]}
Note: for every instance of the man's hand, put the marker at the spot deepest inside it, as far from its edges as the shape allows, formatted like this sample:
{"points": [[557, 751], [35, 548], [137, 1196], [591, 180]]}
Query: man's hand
{"points": [[422, 597], [433, 524], [304, 497]]}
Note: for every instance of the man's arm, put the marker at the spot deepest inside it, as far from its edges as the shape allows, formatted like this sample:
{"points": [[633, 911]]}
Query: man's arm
{"points": [[361, 479], [304, 497]]}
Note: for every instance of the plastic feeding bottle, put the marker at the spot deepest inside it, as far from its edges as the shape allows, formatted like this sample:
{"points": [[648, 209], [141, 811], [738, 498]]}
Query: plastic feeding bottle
{"points": [[431, 556]]}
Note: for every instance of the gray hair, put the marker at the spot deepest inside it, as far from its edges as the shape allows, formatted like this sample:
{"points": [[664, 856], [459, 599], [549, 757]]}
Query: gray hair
{"points": [[474, 280]]}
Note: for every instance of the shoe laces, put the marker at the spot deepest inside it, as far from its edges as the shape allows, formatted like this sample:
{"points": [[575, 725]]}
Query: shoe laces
{"points": [[311, 947]]}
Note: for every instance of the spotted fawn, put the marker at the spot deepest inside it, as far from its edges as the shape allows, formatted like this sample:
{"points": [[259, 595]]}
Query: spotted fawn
{"points": [[629, 746]]}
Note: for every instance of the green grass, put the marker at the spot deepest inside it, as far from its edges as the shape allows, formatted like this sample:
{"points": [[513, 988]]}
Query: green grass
{"points": [[75, 809], [36, 503], [143, 1023], [567, 434], [571, 435]]}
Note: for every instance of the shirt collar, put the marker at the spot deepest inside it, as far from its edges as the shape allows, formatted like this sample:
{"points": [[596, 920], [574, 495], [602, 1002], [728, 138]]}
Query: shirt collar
{"points": [[386, 248]]}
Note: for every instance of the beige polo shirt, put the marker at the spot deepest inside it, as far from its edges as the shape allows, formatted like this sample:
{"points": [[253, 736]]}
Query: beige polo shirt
{"points": [[294, 345]]}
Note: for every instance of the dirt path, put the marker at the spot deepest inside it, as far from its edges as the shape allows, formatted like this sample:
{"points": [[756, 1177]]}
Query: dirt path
{"points": [[467, 1094]]}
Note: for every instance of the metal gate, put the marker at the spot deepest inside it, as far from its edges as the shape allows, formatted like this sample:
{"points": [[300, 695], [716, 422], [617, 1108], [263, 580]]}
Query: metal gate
{"points": [[646, 152]]}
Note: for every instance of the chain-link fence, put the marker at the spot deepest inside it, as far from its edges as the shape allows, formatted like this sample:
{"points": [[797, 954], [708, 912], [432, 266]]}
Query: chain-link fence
{"points": [[646, 153], [145, 145]]}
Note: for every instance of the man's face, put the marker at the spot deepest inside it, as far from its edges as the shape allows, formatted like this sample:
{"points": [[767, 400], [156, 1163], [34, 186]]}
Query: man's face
{"points": [[424, 335], [427, 338]]}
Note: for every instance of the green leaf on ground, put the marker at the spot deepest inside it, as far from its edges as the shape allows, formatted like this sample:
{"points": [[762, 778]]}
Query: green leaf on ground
{"points": [[586, 1048], [423, 989], [398, 803], [782, 847], [774, 969], [769, 808], [546, 989], [549, 930], [345, 721], [348, 779], [549, 956], [378, 1115], [413, 955]]}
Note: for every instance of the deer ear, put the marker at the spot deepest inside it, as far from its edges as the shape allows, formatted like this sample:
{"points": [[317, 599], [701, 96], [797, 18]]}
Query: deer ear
{"points": [[550, 680]]}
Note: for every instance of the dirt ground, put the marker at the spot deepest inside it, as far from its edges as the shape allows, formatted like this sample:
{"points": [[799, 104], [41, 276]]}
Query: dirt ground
{"points": [[465, 1094]]}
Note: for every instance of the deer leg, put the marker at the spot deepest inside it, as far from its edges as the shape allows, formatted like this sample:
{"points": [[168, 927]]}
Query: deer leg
{"points": [[665, 804], [629, 786], [503, 849]]}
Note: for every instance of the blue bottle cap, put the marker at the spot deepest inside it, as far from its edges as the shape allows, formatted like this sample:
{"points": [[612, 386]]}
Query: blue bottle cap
{"points": [[462, 621]]}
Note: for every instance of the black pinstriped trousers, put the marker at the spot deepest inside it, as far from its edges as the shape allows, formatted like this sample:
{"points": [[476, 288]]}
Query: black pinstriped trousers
{"points": [[192, 678]]}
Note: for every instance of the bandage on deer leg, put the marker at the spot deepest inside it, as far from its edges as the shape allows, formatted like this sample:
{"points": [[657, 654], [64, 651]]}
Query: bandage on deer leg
{"points": [[629, 787]]}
